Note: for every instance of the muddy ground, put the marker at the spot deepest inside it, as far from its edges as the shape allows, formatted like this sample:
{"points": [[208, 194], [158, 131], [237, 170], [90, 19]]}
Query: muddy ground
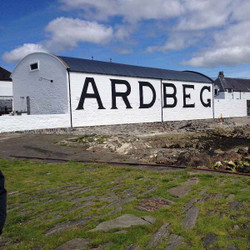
{"points": [[202, 143]]}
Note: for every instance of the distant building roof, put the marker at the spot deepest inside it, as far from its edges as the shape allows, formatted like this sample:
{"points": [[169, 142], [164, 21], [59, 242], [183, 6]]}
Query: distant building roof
{"points": [[4, 75], [110, 68], [236, 84]]}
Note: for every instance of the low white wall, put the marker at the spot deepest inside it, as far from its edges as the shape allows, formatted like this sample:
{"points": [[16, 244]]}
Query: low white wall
{"points": [[230, 108], [30, 122]]}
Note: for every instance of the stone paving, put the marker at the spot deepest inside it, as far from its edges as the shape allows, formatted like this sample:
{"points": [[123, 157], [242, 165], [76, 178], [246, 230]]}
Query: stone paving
{"points": [[114, 203]]}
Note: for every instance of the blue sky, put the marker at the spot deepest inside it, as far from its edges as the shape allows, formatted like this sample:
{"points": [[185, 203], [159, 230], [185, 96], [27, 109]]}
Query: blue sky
{"points": [[207, 36]]}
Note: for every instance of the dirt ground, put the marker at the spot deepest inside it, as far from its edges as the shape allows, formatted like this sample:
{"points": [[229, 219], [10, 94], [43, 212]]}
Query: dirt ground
{"points": [[201, 143]]}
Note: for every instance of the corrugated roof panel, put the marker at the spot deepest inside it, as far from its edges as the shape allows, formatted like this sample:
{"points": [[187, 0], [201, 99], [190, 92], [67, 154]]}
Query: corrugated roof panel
{"points": [[110, 68]]}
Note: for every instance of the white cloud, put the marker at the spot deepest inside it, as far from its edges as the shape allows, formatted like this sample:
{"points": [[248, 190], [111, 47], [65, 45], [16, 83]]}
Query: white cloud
{"points": [[20, 52], [204, 14], [64, 33], [231, 47], [177, 41], [68, 32], [130, 10]]}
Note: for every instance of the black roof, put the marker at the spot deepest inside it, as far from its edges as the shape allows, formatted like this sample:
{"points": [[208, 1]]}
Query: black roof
{"points": [[4, 75], [236, 84], [110, 68]]}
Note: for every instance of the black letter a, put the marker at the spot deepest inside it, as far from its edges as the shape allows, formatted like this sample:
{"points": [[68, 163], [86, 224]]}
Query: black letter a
{"points": [[86, 95]]}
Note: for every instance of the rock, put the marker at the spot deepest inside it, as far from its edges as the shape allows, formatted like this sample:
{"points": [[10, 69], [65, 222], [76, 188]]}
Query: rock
{"points": [[150, 190], [231, 247], [218, 196], [121, 202], [217, 165], [236, 227], [103, 246], [191, 217], [159, 236], [206, 197], [125, 148], [153, 204], [189, 205], [185, 188], [179, 191], [209, 240], [124, 221], [132, 247], [65, 226], [243, 151], [230, 197], [203, 191], [75, 244], [116, 211], [174, 242], [235, 205], [219, 151]]}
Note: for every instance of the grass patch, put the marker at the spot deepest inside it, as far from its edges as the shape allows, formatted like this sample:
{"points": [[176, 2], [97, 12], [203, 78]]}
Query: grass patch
{"points": [[46, 196]]}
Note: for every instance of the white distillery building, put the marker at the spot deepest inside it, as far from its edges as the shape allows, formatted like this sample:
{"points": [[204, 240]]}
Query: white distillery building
{"points": [[100, 93], [232, 97], [6, 93]]}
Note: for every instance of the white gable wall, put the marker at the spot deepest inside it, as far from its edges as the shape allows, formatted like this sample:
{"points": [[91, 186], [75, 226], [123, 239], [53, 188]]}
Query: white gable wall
{"points": [[45, 97]]}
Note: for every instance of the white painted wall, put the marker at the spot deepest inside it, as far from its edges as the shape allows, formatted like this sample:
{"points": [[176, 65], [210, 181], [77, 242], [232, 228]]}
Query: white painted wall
{"points": [[30, 122], [198, 112], [231, 104], [230, 108], [6, 89], [45, 97], [91, 115]]}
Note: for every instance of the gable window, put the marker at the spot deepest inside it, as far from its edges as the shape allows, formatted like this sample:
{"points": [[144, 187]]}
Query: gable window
{"points": [[34, 66]]}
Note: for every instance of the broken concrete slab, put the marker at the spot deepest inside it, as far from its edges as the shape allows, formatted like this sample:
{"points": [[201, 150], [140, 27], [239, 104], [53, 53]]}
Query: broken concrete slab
{"points": [[153, 204], [121, 202], [235, 205], [179, 191], [206, 197], [162, 233], [218, 196], [231, 247], [75, 244], [124, 221], [184, 188], [150, 190], [65, 226], [209, 240], [230, 197], [174, 242], [132, 247], [189, 205], [191, 218]]}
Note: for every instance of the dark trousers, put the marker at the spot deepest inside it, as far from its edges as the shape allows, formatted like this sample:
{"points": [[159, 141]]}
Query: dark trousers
{"points": [[3, 202]]}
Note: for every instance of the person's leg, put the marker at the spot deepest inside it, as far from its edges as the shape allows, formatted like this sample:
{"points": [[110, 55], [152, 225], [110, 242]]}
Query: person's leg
{"points": [[3, 202]]}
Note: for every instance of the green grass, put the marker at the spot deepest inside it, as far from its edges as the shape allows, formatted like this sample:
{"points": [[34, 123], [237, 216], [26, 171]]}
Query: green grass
{"points": [[47, 196]]}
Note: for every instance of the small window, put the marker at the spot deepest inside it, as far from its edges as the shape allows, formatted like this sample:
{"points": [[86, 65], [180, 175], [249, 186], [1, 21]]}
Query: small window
{"points": [[34, 66], [216, 91]]}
